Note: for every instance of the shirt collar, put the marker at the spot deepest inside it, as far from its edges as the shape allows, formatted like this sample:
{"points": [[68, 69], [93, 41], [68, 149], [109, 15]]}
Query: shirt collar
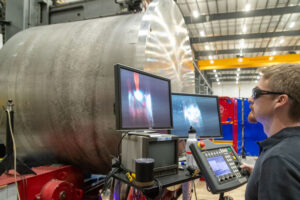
{"points": [[277, 137]]}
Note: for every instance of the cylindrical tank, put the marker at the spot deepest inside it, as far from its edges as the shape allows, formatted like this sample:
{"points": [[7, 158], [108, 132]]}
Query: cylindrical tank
{"points": [[61, 80]]}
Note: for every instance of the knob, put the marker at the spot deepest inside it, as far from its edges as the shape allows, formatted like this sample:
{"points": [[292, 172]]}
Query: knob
{"points": [[244, 172]]}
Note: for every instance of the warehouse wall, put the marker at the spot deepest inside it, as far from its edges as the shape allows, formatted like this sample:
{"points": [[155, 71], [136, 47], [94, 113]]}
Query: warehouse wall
{"points": [[232, 89]]}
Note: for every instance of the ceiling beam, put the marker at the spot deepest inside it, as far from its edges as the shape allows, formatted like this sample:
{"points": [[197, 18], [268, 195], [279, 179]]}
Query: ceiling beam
{"points": [[247, 50], [232, 74], [259, 61], [196, 40], [242, 14]]}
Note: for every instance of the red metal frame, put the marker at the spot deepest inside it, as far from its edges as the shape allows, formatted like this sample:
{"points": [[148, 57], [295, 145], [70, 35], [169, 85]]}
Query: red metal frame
{"points": [[50, 183], [228, 111]]}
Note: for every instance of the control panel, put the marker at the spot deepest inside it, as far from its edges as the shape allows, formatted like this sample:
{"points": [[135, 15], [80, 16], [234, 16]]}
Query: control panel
{"points": [[220, 166]]}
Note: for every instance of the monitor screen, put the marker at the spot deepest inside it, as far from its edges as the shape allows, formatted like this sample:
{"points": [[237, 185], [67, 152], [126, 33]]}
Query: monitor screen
{"points": [[143, 100], [200, 111], [219, 165]]}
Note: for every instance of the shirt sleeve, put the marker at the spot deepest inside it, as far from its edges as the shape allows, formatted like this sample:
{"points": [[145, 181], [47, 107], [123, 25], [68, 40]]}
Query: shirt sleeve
{"points": [[279, 180]]}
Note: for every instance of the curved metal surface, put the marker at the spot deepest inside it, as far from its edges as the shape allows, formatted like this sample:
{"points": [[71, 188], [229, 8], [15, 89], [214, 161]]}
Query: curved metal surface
{"points": [[60, 78], [164, 45]]}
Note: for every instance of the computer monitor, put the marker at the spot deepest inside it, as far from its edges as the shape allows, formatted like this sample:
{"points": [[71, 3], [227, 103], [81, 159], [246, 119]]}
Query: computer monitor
{"points": [[142, 101], [200, 111]]}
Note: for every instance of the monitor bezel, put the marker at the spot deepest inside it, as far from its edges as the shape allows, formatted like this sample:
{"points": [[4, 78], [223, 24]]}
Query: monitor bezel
{"points": [[219, 114], [118, 102]]}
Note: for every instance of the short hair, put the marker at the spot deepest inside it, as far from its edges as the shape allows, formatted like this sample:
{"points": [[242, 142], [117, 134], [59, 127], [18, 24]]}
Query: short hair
{"points": [[285, 78]]}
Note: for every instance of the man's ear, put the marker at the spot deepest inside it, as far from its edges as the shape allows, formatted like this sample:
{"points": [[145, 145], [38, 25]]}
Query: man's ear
{"points": [[281, 100]]}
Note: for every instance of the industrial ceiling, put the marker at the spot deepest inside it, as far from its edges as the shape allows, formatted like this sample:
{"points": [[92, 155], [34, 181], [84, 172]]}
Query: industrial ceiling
{"points": [[221, 29]]}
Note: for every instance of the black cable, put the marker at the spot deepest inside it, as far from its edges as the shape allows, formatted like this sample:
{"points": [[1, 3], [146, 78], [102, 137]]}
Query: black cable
{"points": [[195, 189], [108, 178], [119, 151], [159, 188]]}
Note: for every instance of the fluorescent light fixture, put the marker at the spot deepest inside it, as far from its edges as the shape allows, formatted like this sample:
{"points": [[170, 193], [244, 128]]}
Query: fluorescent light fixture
{"points": [[258, 77], [218, 83], [218, 79], [271, 58], [238, 69], [206, 47], [237, 78], [247, 7], [281, 41], [216, 75], [242, 43], [202, 34], [215, 70], [240, 59], [211, 62], [237, 75], [210, 57], [237, 82], [256, 81], [244, 29], [292, 24], [195, 14]]}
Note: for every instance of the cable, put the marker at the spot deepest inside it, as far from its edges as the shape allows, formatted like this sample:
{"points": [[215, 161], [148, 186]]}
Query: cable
{"points": [[195, 189], [15, 153], [159, 188], [119, 151]]}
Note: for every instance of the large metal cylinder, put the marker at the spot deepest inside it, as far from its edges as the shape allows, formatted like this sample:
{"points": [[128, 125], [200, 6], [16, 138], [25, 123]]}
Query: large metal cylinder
{"points": [[61, 80]]}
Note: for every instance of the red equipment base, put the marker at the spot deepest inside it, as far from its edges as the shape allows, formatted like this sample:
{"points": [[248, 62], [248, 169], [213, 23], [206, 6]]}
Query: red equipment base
{"points": [[50, 183]]}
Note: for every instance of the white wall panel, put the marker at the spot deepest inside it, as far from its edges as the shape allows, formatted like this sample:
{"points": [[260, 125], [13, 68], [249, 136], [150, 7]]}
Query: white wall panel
{"points": [[232, 89]]}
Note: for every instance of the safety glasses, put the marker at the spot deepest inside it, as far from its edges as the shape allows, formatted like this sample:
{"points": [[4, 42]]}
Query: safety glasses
{"points": [[256, 92]]}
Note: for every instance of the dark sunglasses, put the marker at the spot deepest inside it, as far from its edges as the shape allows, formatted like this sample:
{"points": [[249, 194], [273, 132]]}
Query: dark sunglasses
{"points": [[256, 92]]}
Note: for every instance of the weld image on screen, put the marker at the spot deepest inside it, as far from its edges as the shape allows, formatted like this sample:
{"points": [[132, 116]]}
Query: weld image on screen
{"points": [[219, 165], [145, 101], [197, 111]]}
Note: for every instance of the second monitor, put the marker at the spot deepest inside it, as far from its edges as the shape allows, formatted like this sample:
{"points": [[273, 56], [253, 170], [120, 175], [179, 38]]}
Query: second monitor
{"points": [[200, 111]]}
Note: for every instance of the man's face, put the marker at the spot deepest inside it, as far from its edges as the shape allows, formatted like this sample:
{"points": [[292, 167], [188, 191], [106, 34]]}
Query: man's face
{"points": [[261, 107]]}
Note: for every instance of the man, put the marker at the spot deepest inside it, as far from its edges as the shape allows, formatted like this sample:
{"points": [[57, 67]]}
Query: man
{"points": [[275, 103]]}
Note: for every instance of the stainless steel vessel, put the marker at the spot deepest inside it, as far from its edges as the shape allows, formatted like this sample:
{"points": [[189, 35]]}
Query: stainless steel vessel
{"points": [[60, 78]]}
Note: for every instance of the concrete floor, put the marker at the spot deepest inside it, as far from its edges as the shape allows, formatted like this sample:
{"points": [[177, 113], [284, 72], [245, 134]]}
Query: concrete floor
{"points": [[203, 194]]}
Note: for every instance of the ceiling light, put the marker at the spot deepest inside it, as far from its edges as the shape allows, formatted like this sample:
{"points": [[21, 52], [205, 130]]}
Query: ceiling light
{"points": [[195, 14], [256, 81], [211, 62], [215, 70], [281, 41], [218, 79], [210, 57], [218, 83], [237, 75], [237, 78], [216, 75], [247, 7], [271, 58], [292, 24], [242, 43], [244, 29], [240, 59], [202, 34], [236, 82], [274, 53], [258, 77], [260, 73], [238, 69], [206, 47]]}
